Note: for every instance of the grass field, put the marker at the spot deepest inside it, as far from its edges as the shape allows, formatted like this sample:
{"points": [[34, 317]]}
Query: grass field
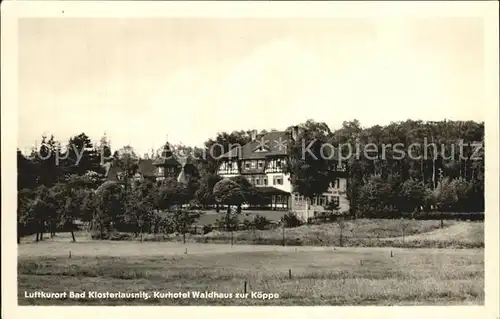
{"points": [[319, 275], [321, 272], [359, 233]]}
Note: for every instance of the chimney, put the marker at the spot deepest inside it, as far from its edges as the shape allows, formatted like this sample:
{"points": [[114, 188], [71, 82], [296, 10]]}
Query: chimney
{"points": [[254, 135], [295, 133]]}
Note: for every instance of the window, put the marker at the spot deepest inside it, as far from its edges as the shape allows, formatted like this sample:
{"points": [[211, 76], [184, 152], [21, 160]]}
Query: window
{"points": [[323, 200], [337, 182], [261, 164], [278, 163], [278, 180], [160, 170], [257, 181], [336, 200], [252, 165], [264, 181], [247, 165]]}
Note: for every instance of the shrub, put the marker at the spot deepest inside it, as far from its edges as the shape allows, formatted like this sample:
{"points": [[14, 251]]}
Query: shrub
{"points": [[291, 220], [261, 222], [207, 229], [247, 224]]}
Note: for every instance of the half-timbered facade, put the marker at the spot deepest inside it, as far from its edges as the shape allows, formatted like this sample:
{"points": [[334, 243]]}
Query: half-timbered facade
{"points": [[262, 161]]}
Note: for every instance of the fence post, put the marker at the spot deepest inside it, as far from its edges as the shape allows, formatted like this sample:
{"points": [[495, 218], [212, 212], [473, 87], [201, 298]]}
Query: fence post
{"points": [[245, 287], [70, 254], [283, 235], [289, 274]]}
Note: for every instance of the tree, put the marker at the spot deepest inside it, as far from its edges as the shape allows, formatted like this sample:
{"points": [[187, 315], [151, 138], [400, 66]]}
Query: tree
{"points": [[43, 210], [411, 195], [182, 220], [69, 199], [140, 205], [126, 159], [204, 193], [81, 156], [232, 192], [309, 161], [445, 195], [374, 197], [109, 206], [47, 168], [26, 172], [171, 193], [25, 218]]}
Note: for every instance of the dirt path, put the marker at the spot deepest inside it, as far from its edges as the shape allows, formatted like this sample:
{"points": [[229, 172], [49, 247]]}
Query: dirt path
{"points": [[460, 231]]}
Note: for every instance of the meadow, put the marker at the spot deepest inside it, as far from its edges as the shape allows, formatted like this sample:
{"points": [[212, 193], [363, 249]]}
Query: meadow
{"points": [[405, 233], [300, 275]]}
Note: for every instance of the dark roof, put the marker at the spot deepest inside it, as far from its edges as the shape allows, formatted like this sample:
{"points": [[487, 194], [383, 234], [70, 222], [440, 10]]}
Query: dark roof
{"points": [[167, 157], [272, 143], [271, 190], [169, 160], [146, 167]]}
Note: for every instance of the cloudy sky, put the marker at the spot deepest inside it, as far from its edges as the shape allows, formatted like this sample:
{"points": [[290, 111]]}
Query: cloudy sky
{"points": [[141, 80]]}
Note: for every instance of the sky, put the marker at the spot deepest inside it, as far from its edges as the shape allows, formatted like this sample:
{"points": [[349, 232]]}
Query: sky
{"points": [[142, 81]]}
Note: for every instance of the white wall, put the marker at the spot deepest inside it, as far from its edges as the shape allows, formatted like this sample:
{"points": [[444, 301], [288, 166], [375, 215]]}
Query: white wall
{"points": [[287, 185]]}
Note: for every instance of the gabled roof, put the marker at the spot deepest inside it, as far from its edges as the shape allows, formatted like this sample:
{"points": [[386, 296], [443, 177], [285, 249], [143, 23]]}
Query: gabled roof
{"points": [[166, 157], [273, 144], [146, 167], [164, 161]]}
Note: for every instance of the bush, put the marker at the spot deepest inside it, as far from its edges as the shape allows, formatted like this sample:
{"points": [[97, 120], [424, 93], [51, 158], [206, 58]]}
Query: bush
{"points": [[291, 220], [247, 224], [261, 222], [207, 229]]}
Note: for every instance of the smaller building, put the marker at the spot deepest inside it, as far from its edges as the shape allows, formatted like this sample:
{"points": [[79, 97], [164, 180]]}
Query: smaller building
{"points": [[166, 165]]}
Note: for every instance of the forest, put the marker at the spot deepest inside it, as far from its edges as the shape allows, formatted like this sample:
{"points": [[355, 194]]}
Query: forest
{"points": [[441, 173]]}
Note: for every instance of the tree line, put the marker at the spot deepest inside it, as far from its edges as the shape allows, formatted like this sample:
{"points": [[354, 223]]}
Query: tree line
{"points": [[60, 185]]}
